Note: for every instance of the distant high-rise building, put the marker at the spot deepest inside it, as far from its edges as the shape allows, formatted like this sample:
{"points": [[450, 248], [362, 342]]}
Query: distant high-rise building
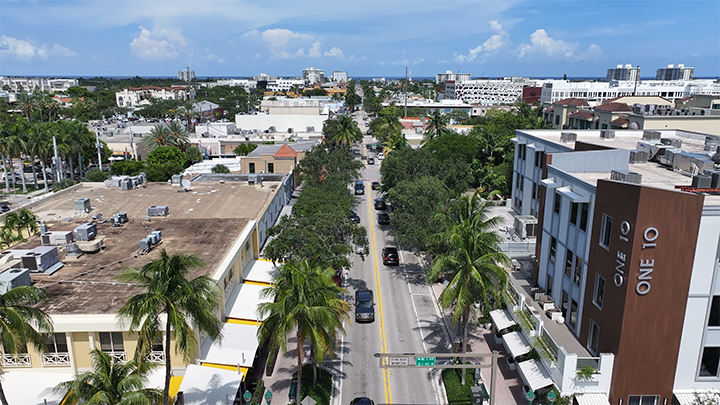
{"points": [[338, 76], [675, 73], [186, 75], [449, 75], [312, 76], [620, 73]]}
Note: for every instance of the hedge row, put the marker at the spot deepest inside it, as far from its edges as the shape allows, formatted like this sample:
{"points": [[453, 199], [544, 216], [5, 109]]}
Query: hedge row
{"points": [[458, 394]]}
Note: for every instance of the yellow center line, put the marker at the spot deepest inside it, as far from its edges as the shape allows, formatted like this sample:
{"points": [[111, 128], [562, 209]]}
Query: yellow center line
{"points": [[381, 317]]}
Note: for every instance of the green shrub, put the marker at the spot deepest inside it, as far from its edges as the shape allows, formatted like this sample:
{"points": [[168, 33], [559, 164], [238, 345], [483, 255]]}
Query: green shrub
{"points": [[220, 169], [257, 397], [127, 168], [160, 172], [323, 391], [63, 184], [193, 155], [96, 175], [458, 394]]}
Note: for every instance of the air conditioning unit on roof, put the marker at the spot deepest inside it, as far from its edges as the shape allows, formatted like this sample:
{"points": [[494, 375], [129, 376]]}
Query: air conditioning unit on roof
{"points": [[568, 137], [626, 176]]}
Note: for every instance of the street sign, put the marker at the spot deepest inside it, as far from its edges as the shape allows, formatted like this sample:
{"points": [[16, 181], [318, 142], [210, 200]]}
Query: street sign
{"points": [[425, 361], [398, 361]]}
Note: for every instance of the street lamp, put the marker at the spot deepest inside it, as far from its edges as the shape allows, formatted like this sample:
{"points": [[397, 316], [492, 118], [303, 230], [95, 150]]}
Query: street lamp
{"points": [[268, 397], [530, 396], [551, 396], [247, 396]]}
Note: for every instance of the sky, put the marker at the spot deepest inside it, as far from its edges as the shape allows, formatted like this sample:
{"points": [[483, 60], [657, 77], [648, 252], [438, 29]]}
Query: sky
{"points": [[366, 38]]}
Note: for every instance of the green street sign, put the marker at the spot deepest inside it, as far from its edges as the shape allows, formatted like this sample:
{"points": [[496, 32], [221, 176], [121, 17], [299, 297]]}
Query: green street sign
{"points": [[425, 361]]}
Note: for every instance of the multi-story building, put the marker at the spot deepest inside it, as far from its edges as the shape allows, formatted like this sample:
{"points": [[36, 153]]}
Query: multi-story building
{"points": [[554, 90], [186, 75], [450, 76], [624, 73], [283, 84], [675, 73], [30, 84], [338, 76], [312, 76], [626, 277], [135, 96], [486, 91], [248, 84]]}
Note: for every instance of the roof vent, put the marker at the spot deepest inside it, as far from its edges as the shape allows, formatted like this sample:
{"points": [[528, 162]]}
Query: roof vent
{"points": [[568, 137], [638, 156], [675, 143], [626, 176], [607, 134], [651, 135]]}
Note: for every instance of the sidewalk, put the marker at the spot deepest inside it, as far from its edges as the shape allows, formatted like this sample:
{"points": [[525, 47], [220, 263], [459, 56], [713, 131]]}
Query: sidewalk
{"points": [[285, 367]]}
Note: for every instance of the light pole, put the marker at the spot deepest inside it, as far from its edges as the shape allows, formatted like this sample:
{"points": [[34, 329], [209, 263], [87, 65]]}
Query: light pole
{"points": [[247, 396], [551, 396], [268, 397], [530, 396]]}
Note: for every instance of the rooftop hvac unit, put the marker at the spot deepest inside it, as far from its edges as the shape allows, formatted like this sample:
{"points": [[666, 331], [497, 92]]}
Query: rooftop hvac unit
{"points": [[715, 183], [158, 234], [126, 184], [56, 238], [568, 137], [667, 158], [145, 243], [702, 181], [14, 278], [525, 226], [675, 143], [115, 221], [123, 217], [626, 176], [711, 143], [40, 259], [158, 211], [638, 156], [82, 205], [607, 134], [177, 180], [85, 232], [692, 164], [73, 250], [310, 129], [651, 135]]}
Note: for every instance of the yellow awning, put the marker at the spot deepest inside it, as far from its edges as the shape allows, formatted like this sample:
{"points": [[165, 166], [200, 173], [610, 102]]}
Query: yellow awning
{"points": [[243, 370]]}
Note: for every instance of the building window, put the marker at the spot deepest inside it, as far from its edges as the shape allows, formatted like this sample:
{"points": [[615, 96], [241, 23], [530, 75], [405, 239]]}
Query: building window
{"points": [[593, 337], [57, 343], [573, 213], [271, 167], [111, 341], [605, 231], [252, 168], [568, 262], [549, 286], [564, 303], [577, 275], [643, 400], [557, 119], [584, 215], [534, 191], [553, 248], [714, 319], [709, 362], [573, 314], [599, 292], [556, 203]]}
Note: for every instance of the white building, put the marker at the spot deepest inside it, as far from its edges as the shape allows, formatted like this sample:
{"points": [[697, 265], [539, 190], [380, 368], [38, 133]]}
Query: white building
{"points": [[449, 75], [186, 75], [30, 84], [487, 92], [134, 96], [620, 72], [675, 73], [338, 76], [555, 90], [248, 84], [282, 84], [312, 76]]}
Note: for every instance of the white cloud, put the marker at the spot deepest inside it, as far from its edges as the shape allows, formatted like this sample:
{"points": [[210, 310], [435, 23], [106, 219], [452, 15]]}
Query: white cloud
{"points": [[279, 38], [543, 46], [335, 52], [281, 41], [158, 44], [25, 50], [251, 34], [491, 46], [314, 51]]}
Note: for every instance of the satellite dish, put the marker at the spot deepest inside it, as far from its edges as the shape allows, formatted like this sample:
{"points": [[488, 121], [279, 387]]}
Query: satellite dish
{"points": [[186, 183]]}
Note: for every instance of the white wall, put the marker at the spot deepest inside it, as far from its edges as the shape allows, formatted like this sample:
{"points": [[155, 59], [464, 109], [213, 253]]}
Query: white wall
{"points": [[262, 122]]}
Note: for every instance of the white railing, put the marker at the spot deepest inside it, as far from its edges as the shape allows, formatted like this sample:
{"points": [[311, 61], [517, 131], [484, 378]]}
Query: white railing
{"points": [[17, 360], [593, 362], [229, 288], [118, 356], [156, 357], [55, 359]]}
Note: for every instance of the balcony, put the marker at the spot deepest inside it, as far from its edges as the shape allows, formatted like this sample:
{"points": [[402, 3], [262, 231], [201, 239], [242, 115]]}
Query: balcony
{"points": [[157, 357], [16, 360], [55, 359], [120, 357]]}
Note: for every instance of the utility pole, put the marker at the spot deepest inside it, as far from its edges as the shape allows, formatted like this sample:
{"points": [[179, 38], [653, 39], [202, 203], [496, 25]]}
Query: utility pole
{"points": [[406, 81], [132, 141], [637, 77], [58, 164], [97, 146]]}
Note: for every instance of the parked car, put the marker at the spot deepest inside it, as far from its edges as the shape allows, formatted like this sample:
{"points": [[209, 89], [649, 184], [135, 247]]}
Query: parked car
{"points": [[381, 156], [362, 401], [380, 204], [390, 256], [375, 185], [359, 249], [364, 306], [354, 217], [359, 187], [370, 161], [383, 218], [18, 177]]}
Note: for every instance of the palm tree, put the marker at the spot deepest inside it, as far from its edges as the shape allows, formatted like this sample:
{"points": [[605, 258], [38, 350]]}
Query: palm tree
{"points": [[437, 125], [22, 323], [13, 225], [184, 303], [179, 136], [111, 382], [28, 221], [342, 131], [386, 125], [471, 259], [39, 144], [172, 134], [19, 147], [396, 142], [26, 104], [305, 302], [5, 134]]}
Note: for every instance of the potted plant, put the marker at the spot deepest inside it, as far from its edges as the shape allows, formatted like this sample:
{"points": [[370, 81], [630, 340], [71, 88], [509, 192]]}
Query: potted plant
{"points": [[586, 373]]}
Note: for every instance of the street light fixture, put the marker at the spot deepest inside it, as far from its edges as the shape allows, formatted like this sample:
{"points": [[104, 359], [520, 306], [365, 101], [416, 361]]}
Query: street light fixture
{"points": [[551, 396], [268, 397], [530, 396], [247, 396]]}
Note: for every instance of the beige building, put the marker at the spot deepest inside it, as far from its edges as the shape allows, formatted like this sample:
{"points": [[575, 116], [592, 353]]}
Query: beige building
{"points": [[280, 158]]}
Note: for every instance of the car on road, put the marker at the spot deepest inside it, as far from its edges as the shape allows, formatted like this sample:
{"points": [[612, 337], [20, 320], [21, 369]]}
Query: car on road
{"points": [[17, 176], [380, 204], [362, 401], [375, 185], [371, 161], [390, 256], [359, 187], [381, 156], [354, 217], [364, 306], [360, 249], [383, 218]]}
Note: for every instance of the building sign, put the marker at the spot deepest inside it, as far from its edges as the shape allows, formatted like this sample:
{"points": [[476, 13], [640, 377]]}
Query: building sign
{"points": [[621, 257], [650, 235]]}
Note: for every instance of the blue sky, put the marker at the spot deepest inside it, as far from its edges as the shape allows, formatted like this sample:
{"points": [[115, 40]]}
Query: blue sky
{"points": [[487, 38]]}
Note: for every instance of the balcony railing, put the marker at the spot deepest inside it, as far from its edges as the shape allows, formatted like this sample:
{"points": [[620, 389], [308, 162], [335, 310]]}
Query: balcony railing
{"points": [[593, 362], [55, 359], [17, 360], [156, 357], [118, 356]]}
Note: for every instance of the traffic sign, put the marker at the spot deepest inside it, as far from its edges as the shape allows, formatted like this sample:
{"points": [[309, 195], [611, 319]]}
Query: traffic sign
{"points": [[398, 361], [425, 361]]}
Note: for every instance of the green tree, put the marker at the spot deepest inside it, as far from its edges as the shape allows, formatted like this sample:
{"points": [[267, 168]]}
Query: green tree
{"points": [[386, 125], [244, 149], [352, 99], [111, 382], [96, 175], [172, 134], [193, 155], [306, 303], [127, 167], [183, 302], [220, 169], [164, 155], [437, 125], [39, 144], [342, 130], [414, 202], [22, 323]]}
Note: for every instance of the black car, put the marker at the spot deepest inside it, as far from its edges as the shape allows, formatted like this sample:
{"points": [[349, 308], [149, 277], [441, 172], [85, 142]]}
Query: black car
{"points": [[354, 217], [380, 204], [362, 401], [370, 161], [359, 187], [375, 185], [383, 218], [390, 256], [364, 306]]}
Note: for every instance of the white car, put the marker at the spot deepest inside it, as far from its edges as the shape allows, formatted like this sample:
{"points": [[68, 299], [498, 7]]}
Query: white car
{"points": [[381, 156], [18, 177]]}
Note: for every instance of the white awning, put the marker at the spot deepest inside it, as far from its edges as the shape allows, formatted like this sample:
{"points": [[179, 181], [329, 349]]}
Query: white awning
{"points": [[516, 344], [534, 374], [243, 302], [536, 147], [549, 182], [17, 383], [501, 319], [209, 385], [688, 397], [261, 271], [574, 197], [237, 348], [592, 399]]}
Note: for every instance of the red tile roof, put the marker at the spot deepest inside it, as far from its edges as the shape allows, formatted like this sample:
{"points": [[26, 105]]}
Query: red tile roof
{"points": [[620, 121], [582, 114], [682, 100], [551, 109], [573, 102], [285, 152], [613, 107]]}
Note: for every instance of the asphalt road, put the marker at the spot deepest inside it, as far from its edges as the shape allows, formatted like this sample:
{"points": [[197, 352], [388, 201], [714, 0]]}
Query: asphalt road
{"points": [[406, 320]]}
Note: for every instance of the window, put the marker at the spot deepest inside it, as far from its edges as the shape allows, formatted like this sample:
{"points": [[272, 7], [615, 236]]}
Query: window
{"points": [[584, 216], [271, 167], [56, 343], [556, 203], [714, 319], [553, 248], [568, 262], [534, 191], [599, 292], [605, 231], [252, 168], [557, 119], [538, 156], [564, 303], [549, 286], [111, 341], [573, 314], [593, 336], [158, 345], [643, 400], [709, 363], [577, 275], [573, 213]]}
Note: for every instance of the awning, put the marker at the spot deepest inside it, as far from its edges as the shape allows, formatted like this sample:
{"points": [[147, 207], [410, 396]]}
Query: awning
{"points": [[549, 182], [536, 147], [209, 386], [574, 197], [501, 319], [42, 387], [688, 398], [534, 374], [242, 304], [261, 271], [237, 348], [516, 344], [592, 399]]}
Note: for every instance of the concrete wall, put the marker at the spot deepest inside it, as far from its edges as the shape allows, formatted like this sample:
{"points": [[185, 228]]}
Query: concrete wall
{"points": [[262, 122], [707, 124], [592, 161]]}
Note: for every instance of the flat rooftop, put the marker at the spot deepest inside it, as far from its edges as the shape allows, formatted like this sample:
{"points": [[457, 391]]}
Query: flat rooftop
{"points": [[205, 220]]}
